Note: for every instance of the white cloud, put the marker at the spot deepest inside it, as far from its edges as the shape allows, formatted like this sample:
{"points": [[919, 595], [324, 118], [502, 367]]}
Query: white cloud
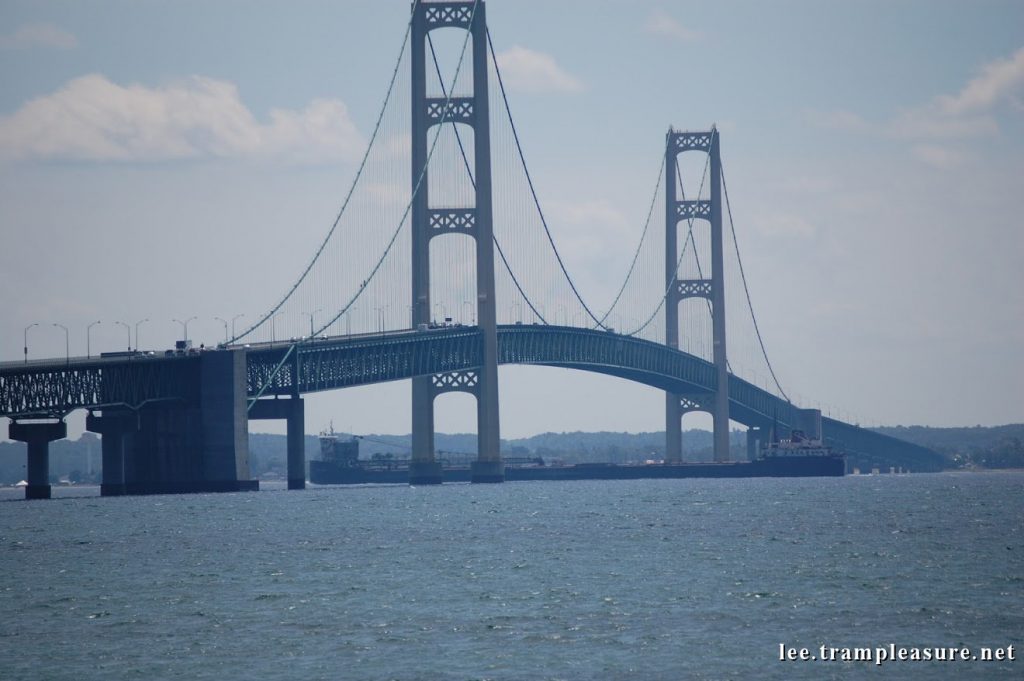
{"points": [[785, 225], [999, 80], [846, 121], [969, 113], [930, 122], [937, 156], [394, 195], [38, 35], [587, 213], [589, 231], [92, 118], [661, 23], [535, 72]]}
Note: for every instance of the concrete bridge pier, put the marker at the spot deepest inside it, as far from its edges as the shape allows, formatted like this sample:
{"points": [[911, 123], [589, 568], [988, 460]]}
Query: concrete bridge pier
{"points": [[113, 427], [758, 438], [424, 468], [38, 436], [293, 411], [487, 470], [422, 472], [296, 422], [197, 441]]}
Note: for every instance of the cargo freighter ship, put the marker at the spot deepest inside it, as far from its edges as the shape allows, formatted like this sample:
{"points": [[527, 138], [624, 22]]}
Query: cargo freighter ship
{"points": [[796, 457]]}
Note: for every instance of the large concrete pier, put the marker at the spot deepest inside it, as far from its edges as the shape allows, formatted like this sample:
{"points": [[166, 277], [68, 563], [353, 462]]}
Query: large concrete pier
{"points": [[194, 440]]}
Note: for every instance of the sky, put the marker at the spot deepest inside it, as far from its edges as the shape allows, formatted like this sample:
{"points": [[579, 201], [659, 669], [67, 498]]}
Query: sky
{"points": [[162, 160]]}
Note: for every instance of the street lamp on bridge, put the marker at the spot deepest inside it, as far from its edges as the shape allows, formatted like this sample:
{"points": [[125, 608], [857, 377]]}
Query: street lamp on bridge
{"points": [[128, 332], [184, 326], [67, 343], [233, 320], [225, 323], [311, 315], [26, 339], [348, 319], [88, 342], [273, 327], [141, 321]]}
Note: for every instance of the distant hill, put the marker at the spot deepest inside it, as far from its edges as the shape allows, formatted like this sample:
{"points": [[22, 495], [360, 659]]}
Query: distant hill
{"points": [[979, 446], [982, 446]]}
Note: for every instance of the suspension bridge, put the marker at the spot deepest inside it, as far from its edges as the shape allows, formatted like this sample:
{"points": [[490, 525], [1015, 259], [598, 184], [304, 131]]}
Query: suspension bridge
{"points": [[439, 266]]}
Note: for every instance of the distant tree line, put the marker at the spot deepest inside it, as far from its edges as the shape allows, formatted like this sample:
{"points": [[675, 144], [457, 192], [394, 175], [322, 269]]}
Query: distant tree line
{"points": [[978, 447]]}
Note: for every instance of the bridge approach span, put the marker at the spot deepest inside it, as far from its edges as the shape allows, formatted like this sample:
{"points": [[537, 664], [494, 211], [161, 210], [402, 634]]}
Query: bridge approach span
{"points": [[52, 389]]}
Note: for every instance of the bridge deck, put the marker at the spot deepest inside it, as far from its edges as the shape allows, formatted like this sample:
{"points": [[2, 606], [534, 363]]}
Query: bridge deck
{"points": [[53, 388]]}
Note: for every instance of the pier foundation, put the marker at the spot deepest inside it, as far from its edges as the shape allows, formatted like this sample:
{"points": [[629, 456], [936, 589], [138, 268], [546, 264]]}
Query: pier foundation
{"points": [[488, 471], [38, 436], [293, 411], [113, 427], [757, 440]]}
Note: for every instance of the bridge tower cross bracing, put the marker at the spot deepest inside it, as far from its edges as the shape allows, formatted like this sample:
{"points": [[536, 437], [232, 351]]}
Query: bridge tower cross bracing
{"points": [[712, 288], [476, 221]]}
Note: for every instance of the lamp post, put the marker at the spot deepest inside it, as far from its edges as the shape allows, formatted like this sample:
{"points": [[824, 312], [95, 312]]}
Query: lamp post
{"points": [[141, 321], [184, 326], [88, 342], [273, 327], [348, 319], [67, 343], [380, 318], [470, 316], [311, 315], [233, 320], [444, 310], [127, 330], [26, 339], [565, 315], [225, 323]]}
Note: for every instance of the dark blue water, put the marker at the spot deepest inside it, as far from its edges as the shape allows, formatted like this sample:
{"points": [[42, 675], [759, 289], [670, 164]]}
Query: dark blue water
{"points": [[657, 579]]}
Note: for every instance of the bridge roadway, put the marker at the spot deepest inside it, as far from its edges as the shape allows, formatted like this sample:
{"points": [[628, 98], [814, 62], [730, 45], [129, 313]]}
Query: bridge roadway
{"points": [[50, 389]]}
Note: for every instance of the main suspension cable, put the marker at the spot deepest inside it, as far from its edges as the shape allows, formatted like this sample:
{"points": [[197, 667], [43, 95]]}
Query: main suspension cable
{"points": [[643, 236], [696, 253], [533, 192], [405, 213], [472, 180], [419, 180], [351, 189], [679, 261], [746, 289]]}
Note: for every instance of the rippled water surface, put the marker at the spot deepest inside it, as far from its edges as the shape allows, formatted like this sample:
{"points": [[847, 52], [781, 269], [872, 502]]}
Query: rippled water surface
{"points": [[655, 579]]}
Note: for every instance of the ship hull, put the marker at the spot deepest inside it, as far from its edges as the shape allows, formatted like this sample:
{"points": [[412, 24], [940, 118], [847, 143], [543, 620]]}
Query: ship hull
{"points": [[326, 473]]}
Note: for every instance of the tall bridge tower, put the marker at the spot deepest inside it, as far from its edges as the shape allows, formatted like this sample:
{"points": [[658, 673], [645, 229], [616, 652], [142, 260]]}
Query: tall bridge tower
{"points": [[712, 289], [434, 221]]}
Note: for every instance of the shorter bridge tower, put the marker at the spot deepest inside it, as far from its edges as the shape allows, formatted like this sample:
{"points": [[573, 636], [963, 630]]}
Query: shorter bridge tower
{"points": [[433, 221], [711, 287]]}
